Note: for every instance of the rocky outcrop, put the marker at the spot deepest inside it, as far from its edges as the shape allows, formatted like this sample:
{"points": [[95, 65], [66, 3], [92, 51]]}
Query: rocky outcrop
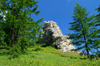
{"points": [[52, 35]]}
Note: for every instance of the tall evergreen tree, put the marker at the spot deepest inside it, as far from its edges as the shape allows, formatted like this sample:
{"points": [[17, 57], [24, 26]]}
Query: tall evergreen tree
{"points": [[97, 25], [19, 26], [82, 27]]}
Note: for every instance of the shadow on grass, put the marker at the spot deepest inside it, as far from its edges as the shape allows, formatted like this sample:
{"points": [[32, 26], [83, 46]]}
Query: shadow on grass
{"points": [[16, 55], [83, 58], [43, 45], [74, 57], [4, 52], [69, 57]]}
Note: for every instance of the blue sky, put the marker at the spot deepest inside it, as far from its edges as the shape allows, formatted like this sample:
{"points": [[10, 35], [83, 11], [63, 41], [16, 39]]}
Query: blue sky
{"points": [[61, 11]]}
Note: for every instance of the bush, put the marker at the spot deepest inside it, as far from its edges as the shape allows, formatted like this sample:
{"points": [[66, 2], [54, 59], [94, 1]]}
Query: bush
{"points": [[99, 55], [93, 57], [82, 54]]}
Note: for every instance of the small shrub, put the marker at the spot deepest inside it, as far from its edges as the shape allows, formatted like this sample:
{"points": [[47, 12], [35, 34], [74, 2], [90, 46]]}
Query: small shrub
{"points": [[93, 57], [82, 54], [37, 48], [99, 55]]}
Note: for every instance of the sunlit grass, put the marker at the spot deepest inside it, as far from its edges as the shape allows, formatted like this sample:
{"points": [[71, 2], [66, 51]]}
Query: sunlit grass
{"points": [[46, 56]]}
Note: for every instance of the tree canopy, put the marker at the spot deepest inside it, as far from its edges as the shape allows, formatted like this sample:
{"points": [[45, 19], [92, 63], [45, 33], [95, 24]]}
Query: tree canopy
{"points": [[18, 30], [82, 26]]}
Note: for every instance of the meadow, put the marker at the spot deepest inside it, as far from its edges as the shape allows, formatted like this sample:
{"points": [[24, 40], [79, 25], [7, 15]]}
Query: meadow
{"points": [[46, 56]]}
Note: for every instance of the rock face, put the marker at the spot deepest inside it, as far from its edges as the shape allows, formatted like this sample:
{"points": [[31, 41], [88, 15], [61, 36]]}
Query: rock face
{"points": [[52, 35]]}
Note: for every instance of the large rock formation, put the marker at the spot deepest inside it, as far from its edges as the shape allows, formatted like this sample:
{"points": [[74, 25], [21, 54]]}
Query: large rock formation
{"points": [[52, 35]]}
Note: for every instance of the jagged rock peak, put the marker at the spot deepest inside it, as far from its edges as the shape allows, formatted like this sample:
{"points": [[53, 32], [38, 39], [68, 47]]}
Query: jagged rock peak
{"points": [[51, 25], [52, 35]]}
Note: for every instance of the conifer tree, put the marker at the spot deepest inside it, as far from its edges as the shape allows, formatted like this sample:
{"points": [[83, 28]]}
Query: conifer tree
{"points": [[97, 25], [20, 25], [82, 27]]}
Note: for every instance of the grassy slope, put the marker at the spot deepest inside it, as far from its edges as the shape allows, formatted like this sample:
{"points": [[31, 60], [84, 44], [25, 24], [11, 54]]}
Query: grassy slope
{"points": [[46, 56]]}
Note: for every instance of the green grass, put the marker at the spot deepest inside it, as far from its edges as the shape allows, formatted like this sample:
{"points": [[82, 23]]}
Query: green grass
{"points": [[46, 56]]}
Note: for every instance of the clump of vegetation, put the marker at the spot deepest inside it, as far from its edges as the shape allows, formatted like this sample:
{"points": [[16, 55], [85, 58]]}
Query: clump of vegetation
{"points": [[48, 56], [86, 35], [18, 30], [18, 36]]}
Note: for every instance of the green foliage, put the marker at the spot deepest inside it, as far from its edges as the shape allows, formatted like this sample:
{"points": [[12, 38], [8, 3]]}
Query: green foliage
{"points": [[48, 56], [97, 24], [82, 27], [37, 48], [18, 29], [94, 57]]}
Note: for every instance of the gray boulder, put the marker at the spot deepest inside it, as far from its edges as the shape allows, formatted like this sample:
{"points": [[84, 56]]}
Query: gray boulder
{"points": [[53, 36]]}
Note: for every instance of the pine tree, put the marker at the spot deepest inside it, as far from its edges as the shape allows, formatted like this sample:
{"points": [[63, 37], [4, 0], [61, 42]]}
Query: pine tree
{"points": [[97, 25], [82, 27], [23, 28]]}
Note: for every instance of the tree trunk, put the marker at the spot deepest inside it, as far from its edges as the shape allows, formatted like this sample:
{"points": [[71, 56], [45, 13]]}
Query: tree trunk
{"points": [[87, 51], [16, 36], [86, 47], [14, 31], [13, 36]]}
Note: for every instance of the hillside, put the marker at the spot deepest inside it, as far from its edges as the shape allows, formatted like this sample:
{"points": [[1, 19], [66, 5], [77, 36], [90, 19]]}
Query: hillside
{"points": [[46, 56]]}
